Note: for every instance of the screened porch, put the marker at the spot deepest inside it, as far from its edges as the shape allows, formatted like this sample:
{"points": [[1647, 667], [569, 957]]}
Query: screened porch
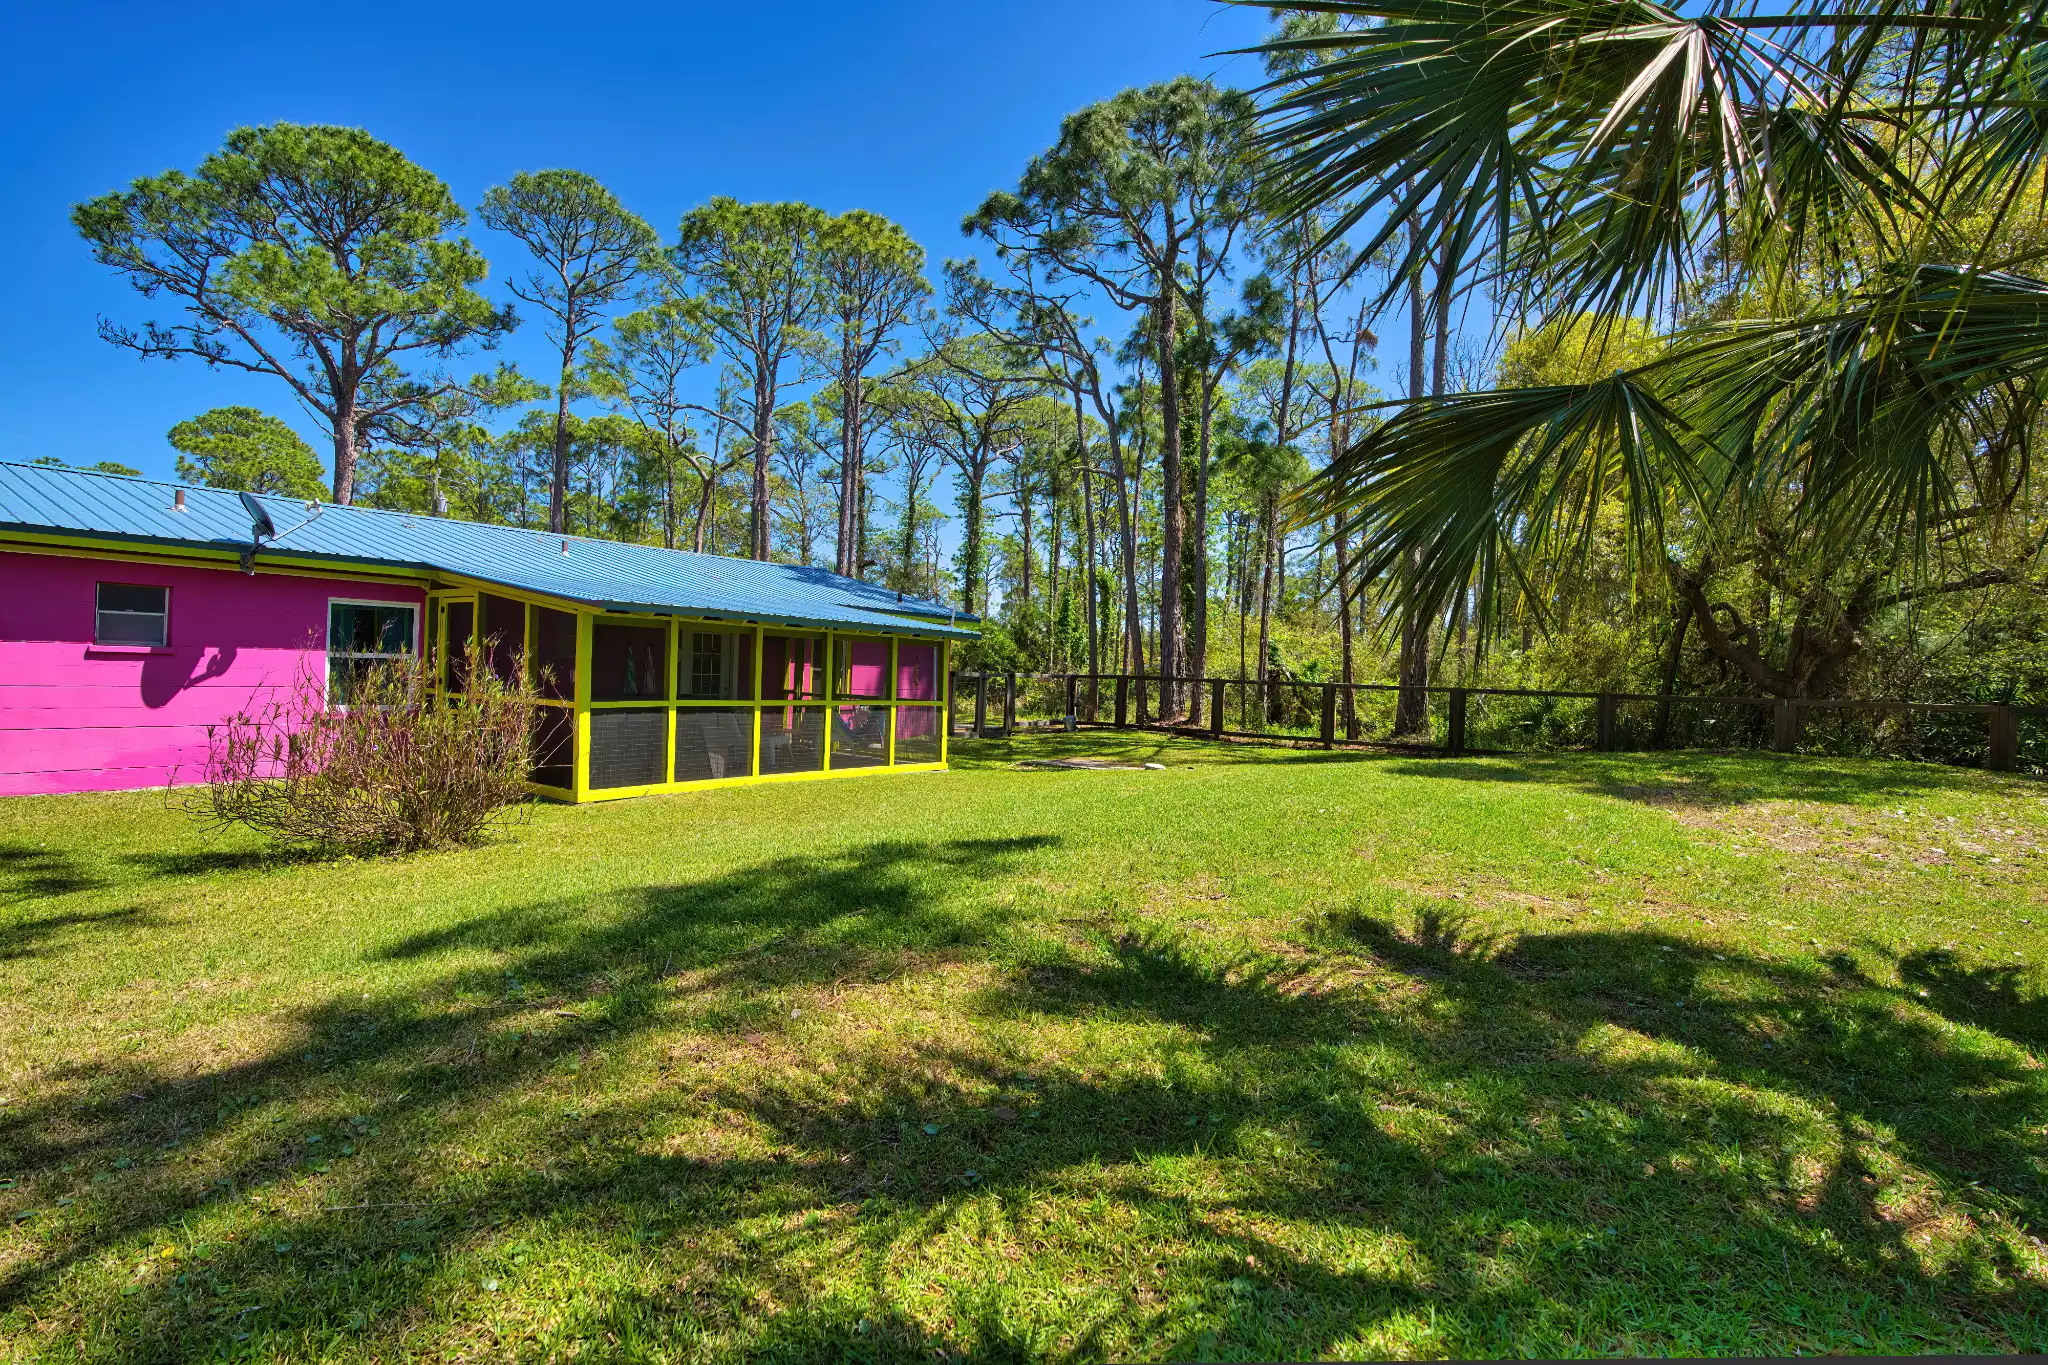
{"points": [[630, 705]]}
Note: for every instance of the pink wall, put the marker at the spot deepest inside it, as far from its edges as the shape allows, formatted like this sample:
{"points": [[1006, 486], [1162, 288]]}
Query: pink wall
{"points": [[77, 717]]}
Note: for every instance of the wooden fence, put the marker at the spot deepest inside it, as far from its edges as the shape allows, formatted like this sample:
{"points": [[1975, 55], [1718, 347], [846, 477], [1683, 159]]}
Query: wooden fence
{"points": [[1330, 714]]}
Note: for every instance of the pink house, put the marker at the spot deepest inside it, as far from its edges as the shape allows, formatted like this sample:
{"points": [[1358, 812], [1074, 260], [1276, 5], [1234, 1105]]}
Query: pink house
{"points": [[135, 614]]}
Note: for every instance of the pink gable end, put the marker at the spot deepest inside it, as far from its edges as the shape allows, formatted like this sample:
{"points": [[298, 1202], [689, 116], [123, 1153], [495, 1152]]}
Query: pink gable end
{"points": [[79, 717]]}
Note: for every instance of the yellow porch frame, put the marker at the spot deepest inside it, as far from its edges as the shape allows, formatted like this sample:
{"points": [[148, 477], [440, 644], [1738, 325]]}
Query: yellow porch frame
{"points": [[585, 705]]}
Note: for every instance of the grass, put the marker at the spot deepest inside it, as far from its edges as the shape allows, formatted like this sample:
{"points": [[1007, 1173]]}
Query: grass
{"points": [[1266, 1054]]}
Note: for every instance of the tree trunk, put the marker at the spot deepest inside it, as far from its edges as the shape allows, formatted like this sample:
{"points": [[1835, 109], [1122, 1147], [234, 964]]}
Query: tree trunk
{"points": [[1172, 644], [1661, 734], [1268, 516], [1023, 495], [1088, 526], [1198, 642], [971, 549], [345, 449], [845, 548], [558, 482], [764, 438]]}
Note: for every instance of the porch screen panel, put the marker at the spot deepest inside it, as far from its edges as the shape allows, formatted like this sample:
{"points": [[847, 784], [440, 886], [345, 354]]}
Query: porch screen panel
{"points": [[554, 653], [504, 632], [917, 672], [792, 739], [792, 667], [862, 669], [628, 663], [461, 625], [715, 665], [860, 736], [917, 734], [714, 742], [628, 747], [554, 747]]}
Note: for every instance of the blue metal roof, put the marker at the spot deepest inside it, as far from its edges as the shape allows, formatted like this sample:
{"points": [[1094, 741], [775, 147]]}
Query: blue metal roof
{"points": [[54, 500]]}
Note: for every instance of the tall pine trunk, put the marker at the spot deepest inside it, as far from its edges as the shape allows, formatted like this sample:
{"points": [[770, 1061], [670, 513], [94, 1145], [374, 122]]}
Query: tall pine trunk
{"points": [[764, 437], [1172, 644], [1088, 527]]}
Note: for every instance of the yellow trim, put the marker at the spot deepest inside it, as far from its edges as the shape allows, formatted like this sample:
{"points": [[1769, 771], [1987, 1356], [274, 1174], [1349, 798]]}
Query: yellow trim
{"points": [[78, 547], [894, 682], [584, 622], [675, 788], [668, 760], [831, 667], [945, 700], [754, 755]]}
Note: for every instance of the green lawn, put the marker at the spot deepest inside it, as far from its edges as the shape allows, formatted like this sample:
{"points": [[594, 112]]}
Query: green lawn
{"points": [[1266, 1054]]}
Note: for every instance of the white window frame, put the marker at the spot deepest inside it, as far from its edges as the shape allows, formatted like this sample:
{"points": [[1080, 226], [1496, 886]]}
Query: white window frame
{"points": [[163, 642], [327, 633]]}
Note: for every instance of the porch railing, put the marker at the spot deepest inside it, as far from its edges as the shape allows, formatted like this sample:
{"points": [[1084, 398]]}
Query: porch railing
{"points": [[1462, 720]]}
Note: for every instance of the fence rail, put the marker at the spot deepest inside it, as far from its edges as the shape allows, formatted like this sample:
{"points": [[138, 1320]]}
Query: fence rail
{"points": [[1460, 720]]}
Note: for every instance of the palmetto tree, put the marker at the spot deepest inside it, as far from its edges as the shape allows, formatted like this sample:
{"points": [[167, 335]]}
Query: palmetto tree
{"points": [[1866, 174]]}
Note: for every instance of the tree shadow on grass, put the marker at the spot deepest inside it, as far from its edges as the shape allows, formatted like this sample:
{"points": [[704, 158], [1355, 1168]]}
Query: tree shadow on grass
{"points": [[1706, 780], [592, 971], [31, 872], [33, 937], [206, 862], [1548, 1144]]}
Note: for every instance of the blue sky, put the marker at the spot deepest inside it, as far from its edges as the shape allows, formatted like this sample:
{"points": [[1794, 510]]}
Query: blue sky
{"points": [[909, 108]]}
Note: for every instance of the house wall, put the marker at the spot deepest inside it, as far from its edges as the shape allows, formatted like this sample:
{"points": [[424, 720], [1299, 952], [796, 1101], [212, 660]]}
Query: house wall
{"points": [[79, 717]]}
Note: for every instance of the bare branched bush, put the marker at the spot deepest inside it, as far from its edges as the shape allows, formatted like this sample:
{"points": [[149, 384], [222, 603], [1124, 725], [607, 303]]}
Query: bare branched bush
{"points": [[372, 761]]}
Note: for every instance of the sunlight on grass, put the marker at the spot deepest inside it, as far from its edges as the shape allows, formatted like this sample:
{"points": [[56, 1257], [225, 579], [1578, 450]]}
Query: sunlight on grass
{"points": [[1266, 1053]]}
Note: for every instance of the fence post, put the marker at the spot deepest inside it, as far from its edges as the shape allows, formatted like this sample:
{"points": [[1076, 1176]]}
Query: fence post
{"points": [[1215, 708], [1010, 705], [1785, 726], [2005, 740], [1123, 702], [1329, 715], [981, 706], [1604, 741], [1454, 724], [1073, 701]]}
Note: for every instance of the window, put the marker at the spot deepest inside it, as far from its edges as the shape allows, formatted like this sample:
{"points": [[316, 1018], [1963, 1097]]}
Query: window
{"points": [[362, 635], [716, 665], [130, 614]]}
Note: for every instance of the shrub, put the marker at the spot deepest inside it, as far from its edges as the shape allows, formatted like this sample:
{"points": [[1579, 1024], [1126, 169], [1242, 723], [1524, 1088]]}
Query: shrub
{"points": [[385, 767]]}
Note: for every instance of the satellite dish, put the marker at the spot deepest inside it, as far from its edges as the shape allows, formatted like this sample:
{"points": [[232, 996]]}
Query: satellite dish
{"points": [[260, 525]]}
